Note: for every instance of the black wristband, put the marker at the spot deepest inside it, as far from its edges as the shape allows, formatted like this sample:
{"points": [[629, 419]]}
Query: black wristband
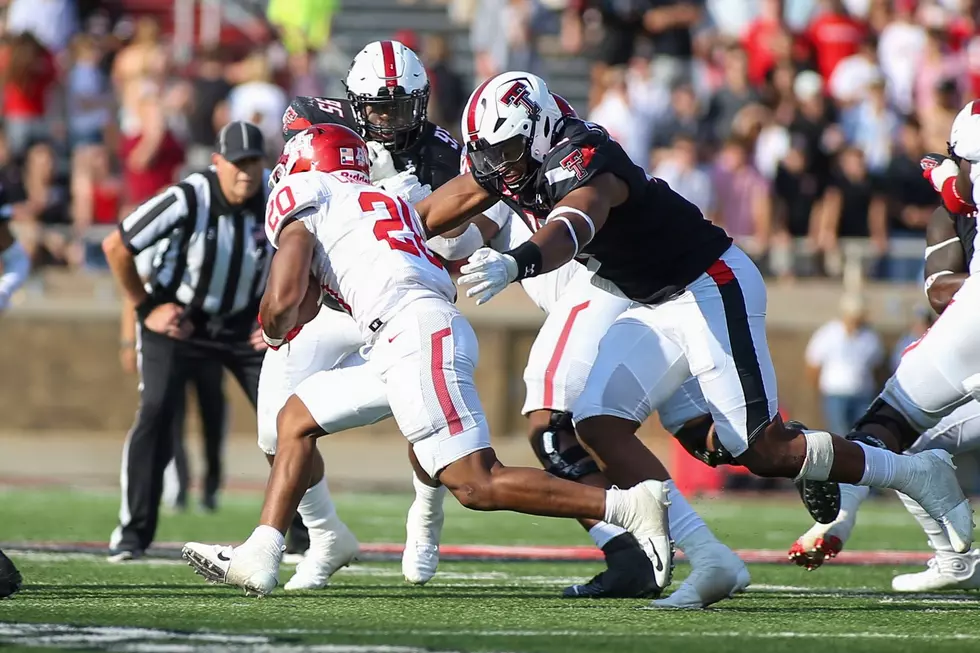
{"points": [[529, 260], [144, 308]]}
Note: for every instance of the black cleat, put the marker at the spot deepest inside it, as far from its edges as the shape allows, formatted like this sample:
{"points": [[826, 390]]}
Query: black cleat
{"points": [[628, 574], [298, 537], [10, 578], [821, 498]]}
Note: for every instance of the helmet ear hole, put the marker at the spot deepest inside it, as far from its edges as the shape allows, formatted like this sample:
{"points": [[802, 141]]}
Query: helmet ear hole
{"points": [[547, 127]]}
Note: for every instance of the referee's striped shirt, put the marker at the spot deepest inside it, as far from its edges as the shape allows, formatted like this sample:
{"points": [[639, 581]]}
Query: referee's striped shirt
{"points": [[212, 256]]}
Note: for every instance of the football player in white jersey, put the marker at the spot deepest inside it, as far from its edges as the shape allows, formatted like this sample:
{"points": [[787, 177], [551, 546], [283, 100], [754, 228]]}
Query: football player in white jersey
{"points": [[949, 256], [365, 248]]}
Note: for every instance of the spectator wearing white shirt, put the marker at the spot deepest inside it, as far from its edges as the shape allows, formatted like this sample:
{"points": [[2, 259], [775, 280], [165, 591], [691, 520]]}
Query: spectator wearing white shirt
{"points": [[842, 358], [258, 101], [682, 173], [615, 114]]}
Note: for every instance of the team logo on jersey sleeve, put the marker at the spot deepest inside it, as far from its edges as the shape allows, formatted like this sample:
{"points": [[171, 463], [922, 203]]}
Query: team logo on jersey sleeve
{"points": [[577, 161]]}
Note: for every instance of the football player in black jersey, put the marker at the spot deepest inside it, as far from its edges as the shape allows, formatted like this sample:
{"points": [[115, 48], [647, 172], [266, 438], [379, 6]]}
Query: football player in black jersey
{"points": [[948, 256], [699, 301], [386, 103]]}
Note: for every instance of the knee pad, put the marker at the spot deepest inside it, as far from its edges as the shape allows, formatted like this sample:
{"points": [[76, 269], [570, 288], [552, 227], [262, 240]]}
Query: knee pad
{"points": [[571, 463], [882, 414], [694, 436]]}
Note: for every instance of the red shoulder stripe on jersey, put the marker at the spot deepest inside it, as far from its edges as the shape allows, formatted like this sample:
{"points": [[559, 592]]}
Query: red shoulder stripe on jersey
{"points": [[975, 109], [471, 127], [388, 57]]}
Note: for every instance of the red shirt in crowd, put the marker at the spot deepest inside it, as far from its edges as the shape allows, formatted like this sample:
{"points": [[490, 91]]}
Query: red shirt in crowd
{"points": [[141, 185], [30, 100], [834, 37]]}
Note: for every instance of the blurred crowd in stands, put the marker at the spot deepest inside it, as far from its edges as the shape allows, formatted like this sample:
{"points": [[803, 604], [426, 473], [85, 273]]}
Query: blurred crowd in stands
{"points": [[796, 124]]}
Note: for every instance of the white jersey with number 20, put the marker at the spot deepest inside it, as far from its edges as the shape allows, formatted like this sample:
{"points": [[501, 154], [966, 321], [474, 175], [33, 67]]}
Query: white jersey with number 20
{"points": [[370, 252]]}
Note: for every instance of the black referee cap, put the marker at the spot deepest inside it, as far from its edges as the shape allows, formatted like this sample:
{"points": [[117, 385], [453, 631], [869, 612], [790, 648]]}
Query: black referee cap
{"points": [[240, 140]]}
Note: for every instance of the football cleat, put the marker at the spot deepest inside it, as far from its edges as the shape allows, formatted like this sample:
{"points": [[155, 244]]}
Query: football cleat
{"points": [[934, 486], [825, 541], [945, 571], [628, 574], [718, 574], [821, 498], [254, 570], [328, 553], [297, 537], [423, 531], [10, 578]]}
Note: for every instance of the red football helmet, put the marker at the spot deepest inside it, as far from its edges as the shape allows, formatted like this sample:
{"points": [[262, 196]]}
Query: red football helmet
{"points": [[325, 147]]}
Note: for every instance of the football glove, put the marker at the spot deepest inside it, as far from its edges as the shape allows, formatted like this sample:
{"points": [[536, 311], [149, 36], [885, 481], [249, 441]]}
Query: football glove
{"points": [[489, 272]]}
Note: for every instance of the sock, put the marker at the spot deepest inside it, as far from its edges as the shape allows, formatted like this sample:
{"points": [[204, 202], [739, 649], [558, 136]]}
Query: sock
{"points": [[617, 508], [267, 537], [882, 468], [938, 540], [602, 532], [316, 508], [425, 511], [683, 520]]}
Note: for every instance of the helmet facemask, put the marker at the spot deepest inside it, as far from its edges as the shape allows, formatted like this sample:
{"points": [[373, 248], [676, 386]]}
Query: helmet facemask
{"points": [[392, 117], [503, 161]]}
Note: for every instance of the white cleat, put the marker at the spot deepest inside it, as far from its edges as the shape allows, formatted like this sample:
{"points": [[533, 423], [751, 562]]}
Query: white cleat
{"points": [[936, 488], [208, 560], [419, 562], [328, 553], [718, 574], [255, 571], [648, 524], [423, 531], [945, 571]]}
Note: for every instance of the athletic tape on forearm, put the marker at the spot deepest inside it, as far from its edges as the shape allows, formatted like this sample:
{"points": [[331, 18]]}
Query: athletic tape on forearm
{"points": [[559, 211], [931, 279]]}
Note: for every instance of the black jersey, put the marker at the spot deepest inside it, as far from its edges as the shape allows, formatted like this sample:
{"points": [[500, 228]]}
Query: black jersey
{"points": [[966, 230], [651, 246], [435, 155]]}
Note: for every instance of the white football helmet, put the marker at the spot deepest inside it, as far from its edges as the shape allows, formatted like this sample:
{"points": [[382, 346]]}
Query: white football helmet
{"points": [[389, 91], [508, 117]]}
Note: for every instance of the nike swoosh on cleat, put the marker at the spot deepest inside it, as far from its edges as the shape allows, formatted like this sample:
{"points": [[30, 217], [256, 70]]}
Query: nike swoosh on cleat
{"points": [[660, 564], [223, 558]]}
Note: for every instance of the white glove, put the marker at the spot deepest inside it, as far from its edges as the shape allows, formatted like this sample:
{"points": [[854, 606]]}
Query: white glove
{"points": [[382, 165], [489, 272], [938, 175], [406, 186]]}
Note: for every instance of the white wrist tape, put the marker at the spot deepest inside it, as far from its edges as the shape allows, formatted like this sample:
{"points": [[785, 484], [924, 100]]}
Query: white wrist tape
{"points": [[931, 279], [460, 247], [272, 342], [573, 211]]}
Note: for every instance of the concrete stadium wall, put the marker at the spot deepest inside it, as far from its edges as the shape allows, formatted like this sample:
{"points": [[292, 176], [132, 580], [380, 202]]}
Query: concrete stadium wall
{"points": [[60, 369]]}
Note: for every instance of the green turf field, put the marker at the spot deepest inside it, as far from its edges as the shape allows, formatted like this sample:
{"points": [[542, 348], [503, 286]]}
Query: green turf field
{"points": [[468, 606]]}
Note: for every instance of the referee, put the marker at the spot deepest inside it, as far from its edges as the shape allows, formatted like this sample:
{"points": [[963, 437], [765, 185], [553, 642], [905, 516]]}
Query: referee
{"points": [[199, 305]]}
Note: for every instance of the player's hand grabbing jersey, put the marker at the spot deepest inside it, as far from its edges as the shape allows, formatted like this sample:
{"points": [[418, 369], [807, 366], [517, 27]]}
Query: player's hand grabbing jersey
{"points": [[434, 157], [652, 245]]}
